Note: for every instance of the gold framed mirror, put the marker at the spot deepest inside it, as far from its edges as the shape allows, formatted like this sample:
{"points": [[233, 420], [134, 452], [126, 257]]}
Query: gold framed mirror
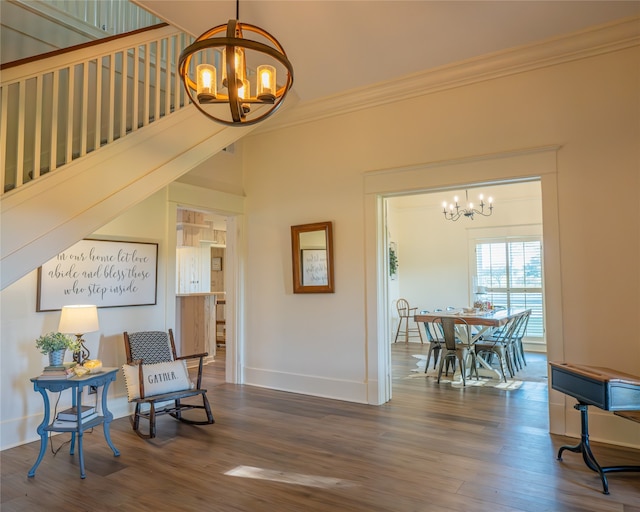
{"points": [[312, 252]]}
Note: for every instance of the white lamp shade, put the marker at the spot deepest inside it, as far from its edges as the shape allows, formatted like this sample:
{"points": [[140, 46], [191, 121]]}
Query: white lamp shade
{"points": [[78, 319]]}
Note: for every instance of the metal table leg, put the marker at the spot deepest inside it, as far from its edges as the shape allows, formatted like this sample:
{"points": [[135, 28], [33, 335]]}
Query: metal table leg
{"points": [[584, 447]]}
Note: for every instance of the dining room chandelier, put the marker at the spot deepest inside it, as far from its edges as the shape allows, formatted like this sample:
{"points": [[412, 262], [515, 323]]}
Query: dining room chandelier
{"points": [[453, 211], [230, 78]]}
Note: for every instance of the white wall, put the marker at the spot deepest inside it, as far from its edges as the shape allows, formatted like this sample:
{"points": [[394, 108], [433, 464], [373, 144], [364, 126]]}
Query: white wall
{"points": [[433, 252], [228, 171], [589, 108], [21, 408], [153, 220], [323, 344]]}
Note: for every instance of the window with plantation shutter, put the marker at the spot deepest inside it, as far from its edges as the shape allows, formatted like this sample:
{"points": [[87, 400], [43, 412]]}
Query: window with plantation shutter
{"points": [[510, 270]]}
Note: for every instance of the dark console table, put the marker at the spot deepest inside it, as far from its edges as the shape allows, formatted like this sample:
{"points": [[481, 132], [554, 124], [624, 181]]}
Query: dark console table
{"points": [[605, 388]]}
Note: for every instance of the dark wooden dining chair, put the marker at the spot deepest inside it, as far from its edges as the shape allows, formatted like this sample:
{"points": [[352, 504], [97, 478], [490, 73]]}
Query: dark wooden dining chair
{"points": [[154, 374], [406, 317], [457, 348]]}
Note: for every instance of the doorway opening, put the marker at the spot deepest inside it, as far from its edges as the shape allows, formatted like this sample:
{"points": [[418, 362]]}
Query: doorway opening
{"points": [[439, 263], [201, 263]]}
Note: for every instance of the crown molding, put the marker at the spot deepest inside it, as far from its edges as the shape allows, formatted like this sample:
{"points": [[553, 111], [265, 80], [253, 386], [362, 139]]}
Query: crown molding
{"points": [[594, 41]]}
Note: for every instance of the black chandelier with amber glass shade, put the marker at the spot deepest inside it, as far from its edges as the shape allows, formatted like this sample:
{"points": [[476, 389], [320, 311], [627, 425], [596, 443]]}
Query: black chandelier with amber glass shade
{"points": [[216, 74]]}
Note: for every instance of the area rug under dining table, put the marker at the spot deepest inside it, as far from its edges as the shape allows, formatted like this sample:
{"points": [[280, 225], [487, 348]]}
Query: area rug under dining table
{"points": [[455, 380]]}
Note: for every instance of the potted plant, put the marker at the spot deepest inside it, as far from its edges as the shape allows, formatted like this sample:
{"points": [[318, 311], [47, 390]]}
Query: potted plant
{"points": [[393, 261], [55, 344]]}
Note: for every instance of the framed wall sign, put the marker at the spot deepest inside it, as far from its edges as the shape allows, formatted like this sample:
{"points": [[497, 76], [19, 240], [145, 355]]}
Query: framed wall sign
{"points": [[106, 273]]}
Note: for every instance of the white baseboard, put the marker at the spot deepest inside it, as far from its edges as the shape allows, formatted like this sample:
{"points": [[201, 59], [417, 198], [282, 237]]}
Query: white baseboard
{"points": [[336, 389]]}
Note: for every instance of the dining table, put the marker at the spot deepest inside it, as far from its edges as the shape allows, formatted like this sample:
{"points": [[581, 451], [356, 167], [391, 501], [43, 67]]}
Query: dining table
{"points": [[482, 321]]}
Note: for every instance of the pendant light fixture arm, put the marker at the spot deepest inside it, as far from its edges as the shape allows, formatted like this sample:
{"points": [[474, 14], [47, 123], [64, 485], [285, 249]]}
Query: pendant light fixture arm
{"points": [[232, 71]]}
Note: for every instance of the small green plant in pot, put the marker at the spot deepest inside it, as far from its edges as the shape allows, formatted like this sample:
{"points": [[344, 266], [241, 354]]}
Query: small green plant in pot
{"points": [[55, 344], [393, 262]]}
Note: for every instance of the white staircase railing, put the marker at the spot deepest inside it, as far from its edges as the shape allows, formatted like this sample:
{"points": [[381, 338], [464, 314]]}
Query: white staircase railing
{"points": [[34, 27], [60, 108], [111, 16]]}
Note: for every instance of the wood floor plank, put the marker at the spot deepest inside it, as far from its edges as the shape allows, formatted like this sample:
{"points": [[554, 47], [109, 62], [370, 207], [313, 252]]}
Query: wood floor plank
{"points": [[433, 447]]}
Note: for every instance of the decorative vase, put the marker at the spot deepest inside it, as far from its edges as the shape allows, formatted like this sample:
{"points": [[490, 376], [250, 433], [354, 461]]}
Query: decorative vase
{"points": [[56, 358]]}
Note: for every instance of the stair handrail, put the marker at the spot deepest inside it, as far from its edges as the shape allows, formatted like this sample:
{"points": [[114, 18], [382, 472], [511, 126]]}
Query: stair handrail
{"points": [[64, 57]]}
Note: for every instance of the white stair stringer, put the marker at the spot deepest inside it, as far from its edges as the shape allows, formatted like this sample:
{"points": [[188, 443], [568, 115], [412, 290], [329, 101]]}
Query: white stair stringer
{"points": [[43, 218]]}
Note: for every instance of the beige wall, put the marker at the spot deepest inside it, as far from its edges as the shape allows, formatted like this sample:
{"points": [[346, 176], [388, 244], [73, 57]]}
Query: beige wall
{"points": [[153, 220], [223, 172], [434, 253], [327, 344], [21, 407], [588, 108]]}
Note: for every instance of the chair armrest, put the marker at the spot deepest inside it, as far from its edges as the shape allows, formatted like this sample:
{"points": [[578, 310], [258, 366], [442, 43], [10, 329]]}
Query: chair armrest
{"points": [[200, 365], [140, 378], [193, 356]]}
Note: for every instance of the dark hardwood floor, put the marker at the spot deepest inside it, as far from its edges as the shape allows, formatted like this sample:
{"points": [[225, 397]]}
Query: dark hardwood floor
{"points": [[432, 448]]}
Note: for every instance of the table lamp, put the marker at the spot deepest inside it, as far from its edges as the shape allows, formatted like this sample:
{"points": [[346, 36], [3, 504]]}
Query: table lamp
{"points": [[79, 320]]}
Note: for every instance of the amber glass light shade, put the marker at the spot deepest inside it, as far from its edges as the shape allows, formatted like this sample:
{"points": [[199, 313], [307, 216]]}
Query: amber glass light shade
{"points": [[206, 80], [266, 83]]}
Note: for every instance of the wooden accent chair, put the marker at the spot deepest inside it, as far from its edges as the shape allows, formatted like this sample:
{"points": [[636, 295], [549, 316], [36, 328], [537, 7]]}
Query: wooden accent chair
{"points": [[155, 374], [406, 315]]}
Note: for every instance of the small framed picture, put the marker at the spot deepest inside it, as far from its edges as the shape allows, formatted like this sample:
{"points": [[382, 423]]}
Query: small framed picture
{"points": [[216, 263]]}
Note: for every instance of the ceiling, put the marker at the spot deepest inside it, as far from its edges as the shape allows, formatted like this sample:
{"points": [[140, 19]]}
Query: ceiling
{"points": [[339, 45]]}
